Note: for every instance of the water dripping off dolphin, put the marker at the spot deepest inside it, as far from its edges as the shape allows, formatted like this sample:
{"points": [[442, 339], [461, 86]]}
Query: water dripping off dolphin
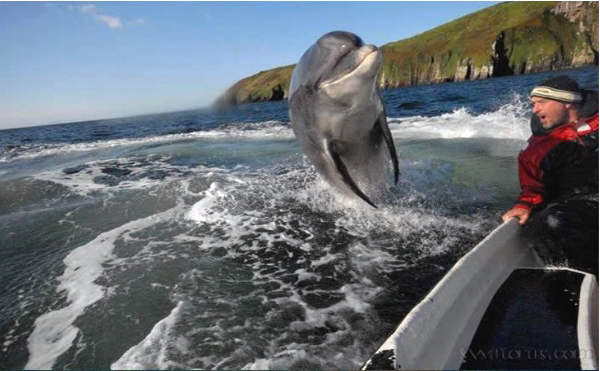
{"points": [[339, 117]]}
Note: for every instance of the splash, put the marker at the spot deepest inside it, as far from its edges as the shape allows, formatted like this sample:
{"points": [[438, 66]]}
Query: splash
{"points": [[510, 121]]}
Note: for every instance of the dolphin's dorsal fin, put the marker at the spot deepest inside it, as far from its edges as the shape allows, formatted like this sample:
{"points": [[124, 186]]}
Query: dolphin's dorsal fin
{"points": [[341, 168], [387, 136]]}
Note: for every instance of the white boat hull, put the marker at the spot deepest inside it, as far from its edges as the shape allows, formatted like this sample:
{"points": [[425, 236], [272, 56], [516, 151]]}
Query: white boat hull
{"points": [[438, 331]]}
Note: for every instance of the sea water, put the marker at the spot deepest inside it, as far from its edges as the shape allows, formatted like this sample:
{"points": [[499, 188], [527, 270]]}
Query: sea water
{"points": [[205, 239]]}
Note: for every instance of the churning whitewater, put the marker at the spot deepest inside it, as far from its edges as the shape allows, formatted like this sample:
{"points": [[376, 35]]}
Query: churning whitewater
{"points": [[207, 240]]}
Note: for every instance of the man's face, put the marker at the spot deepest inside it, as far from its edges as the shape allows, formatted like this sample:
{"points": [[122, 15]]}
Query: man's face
{"points": [[550, 112]]}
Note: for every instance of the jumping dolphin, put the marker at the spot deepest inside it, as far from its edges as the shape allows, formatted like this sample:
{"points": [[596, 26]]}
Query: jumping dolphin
{"points": [[338, 115]]}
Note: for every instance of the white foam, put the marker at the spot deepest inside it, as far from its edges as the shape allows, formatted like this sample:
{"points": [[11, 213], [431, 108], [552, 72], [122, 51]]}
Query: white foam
{"points": [[140, 176], [366, 259], [151, 352], [201, 211], [210, 209], [510, 121], [217, 208], [54, 332], [228, 221], [282, 354]]}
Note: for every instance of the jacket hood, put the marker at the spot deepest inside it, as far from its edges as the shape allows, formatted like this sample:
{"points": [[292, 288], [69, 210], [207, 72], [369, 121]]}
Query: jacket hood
{"points": [[589, 108]]}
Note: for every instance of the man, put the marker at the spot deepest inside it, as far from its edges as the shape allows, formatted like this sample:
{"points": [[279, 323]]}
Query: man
{"points": [[558, 173]]}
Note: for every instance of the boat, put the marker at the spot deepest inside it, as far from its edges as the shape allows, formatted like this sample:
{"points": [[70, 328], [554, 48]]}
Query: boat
{"points": [[499, 307]]}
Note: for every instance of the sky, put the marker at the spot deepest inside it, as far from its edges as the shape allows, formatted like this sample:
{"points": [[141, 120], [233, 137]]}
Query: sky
{"points": [[76, 61]]}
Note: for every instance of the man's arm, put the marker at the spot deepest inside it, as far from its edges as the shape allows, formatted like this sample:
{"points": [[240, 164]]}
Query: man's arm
{"points": [[531, 191]]}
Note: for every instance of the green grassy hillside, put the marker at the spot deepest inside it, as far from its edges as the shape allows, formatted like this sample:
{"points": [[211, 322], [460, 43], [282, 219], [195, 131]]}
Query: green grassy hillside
{"points": [[509, 38], [505, 39], [265, 85]]}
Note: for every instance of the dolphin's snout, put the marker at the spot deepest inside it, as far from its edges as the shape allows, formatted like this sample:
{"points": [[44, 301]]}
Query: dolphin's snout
{"points": [[371, 48], [366, 50]]}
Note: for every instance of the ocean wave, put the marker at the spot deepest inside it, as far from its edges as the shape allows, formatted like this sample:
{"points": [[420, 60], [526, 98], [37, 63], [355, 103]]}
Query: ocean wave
{"points": [[55, 331], [510, 121], [118, 174], [309, 294], [261, 130], [151, 353], [265, 260]]}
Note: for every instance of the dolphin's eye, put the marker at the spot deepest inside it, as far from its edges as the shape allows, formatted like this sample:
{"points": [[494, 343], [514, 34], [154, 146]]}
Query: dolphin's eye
{"points": [[309, 89]]}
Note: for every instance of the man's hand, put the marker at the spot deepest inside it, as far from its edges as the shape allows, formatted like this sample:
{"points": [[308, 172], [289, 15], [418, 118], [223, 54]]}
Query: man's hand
{"points": [[517, 212]]}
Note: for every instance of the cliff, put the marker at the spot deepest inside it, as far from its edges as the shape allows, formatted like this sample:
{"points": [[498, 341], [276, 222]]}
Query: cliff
{"points": [[505, 39], [264, 86]]}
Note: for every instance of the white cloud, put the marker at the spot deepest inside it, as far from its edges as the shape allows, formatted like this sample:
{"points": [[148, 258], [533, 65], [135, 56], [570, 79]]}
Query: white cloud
{"points": [[111, 21], [88, 9]]}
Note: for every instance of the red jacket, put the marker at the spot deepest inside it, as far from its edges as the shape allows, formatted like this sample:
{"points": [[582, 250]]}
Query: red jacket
{"points": [[564, 148]]}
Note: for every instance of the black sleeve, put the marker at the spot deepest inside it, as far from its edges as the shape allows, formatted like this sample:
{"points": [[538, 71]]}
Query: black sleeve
{"points": [[570, 168]]}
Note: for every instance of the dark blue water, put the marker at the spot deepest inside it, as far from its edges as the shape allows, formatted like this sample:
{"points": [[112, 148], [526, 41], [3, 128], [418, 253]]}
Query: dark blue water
{"points": [[204, 239], [428, 100]]}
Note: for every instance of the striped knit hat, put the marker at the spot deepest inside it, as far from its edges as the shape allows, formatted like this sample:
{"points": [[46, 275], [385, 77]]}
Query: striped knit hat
{"points": [[559, 88]]}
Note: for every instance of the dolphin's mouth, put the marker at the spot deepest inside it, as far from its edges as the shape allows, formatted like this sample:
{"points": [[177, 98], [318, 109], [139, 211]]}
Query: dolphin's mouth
{"points": [[359, 61]]}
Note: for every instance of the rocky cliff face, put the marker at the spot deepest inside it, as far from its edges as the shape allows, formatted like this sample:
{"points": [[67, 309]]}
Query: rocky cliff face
{"points": [[533, 37], [585, 16], [584, 13], [505, 39]]}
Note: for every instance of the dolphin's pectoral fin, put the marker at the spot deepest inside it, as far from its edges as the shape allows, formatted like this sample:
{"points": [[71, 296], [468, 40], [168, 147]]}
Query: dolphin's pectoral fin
{"points": [[332, 151], [387, 136]]}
